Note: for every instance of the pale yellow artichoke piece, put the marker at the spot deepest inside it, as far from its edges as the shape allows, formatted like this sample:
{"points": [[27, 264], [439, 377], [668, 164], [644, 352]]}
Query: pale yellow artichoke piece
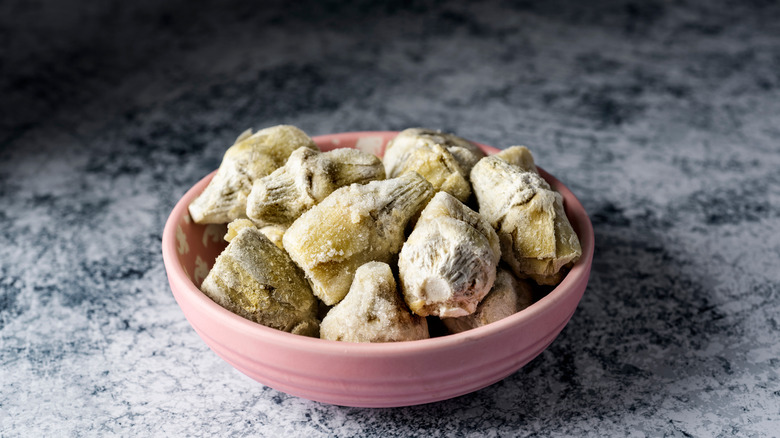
{"points": [[255, 279], [550, 270], [352, 226], [448, 263], [445, 160], [252, 157], [305, 180], [519, 156], [274, 233], [237, 225], [537, 240], [373, 311], [508, 296]]}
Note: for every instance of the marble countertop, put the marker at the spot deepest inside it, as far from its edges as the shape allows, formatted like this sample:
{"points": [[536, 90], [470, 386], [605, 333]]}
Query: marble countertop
{"points": [[664, 119]]}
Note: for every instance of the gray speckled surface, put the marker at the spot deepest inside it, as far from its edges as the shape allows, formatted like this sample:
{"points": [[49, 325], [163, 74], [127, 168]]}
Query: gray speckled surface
{"points": [[663, 118]]}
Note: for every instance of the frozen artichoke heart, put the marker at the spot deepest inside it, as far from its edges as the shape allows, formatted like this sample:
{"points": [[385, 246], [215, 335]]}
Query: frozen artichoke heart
{"points": [[445, 160], [255, 279], [448, 263], [508, 296], [305, 180], [237, 225], [251, 157], [519, 156], [274, 233], [352, 226], [373, 311], [537, 240]]}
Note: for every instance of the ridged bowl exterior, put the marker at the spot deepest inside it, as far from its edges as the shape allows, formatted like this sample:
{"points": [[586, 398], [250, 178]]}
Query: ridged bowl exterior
{"points": [[367, 375]]}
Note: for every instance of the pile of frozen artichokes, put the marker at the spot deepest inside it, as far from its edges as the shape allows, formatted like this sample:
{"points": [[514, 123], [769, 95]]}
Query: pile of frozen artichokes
{"points": [[349, 247]]}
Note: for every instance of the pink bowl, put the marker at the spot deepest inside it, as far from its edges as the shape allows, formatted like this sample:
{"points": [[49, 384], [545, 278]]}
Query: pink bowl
{"points": [[369, 375]]}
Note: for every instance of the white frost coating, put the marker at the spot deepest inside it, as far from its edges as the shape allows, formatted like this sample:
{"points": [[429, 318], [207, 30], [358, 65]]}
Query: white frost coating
{"points": [[305, 180], [274, 233], [445, 160], [235, 226], [448, 263], [537, 240], [251, 158], [373, 311], [352, 226], [508, 296], [255, 279]]}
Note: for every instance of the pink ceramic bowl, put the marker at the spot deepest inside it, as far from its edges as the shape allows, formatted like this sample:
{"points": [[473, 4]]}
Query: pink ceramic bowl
{"points": [[371, 375]]}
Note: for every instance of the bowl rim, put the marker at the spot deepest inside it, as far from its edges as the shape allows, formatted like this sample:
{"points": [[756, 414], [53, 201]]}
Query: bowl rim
{"points": [[579, 272]]}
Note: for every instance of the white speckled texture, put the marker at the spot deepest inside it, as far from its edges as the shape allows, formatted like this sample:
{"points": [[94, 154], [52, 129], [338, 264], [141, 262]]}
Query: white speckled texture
{"points": [[663, 118]]}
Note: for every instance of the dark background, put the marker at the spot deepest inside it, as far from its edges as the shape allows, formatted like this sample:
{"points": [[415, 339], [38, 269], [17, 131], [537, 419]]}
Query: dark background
{"points": [[663, 118]]}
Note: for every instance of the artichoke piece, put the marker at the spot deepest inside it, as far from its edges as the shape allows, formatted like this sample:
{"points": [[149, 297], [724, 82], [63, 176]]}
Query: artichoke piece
{"points": [[305, 180], [445, 160], [237, 225], [250, 158], [519, 156], [373, 311], [352, 226], [537, 240], [448, 263], [508, 296], [255, 279], [274, 233]]}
